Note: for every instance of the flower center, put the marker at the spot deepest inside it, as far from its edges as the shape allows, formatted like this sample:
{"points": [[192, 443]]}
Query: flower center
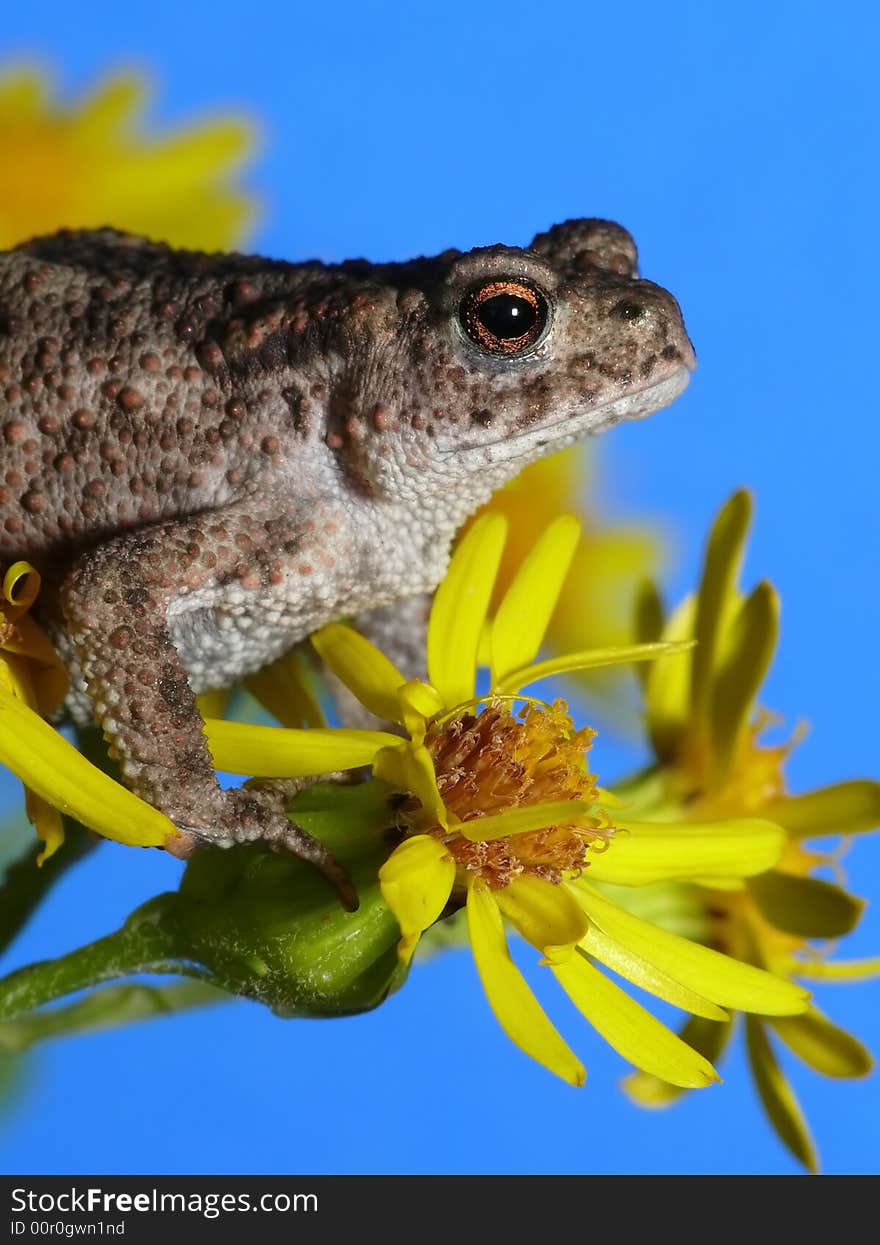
{"points": [[491, 762], [756, 777]]}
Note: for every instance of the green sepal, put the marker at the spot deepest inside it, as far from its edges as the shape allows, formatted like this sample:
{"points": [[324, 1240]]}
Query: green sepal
{"points": [[105, 1008], [754, 631], [804, 906], [845, 808], [822, 1045], [778, 1098], [721, 564]]}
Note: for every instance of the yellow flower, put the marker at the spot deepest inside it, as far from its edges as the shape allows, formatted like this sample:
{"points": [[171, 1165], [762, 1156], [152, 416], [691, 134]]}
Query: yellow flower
{"points": [[496, 809], [707, 736], [87, 165], [57, 778], [595, 606]]}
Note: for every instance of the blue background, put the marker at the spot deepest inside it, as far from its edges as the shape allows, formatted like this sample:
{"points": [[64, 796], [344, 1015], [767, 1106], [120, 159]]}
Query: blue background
{"points": [[740, 147]]}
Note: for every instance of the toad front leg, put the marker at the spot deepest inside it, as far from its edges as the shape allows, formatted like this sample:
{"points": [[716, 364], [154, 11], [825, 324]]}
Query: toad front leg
{"points": [[159, 614]]}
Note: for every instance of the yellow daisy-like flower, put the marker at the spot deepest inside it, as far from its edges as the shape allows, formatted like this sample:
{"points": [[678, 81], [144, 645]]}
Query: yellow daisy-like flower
{"points": [[595, 606], [87, 165], [497, 809], [711, 763], [56, 777]]}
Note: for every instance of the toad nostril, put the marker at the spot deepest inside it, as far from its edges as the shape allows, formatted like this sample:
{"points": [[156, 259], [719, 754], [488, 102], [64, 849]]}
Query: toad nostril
{"points": [[628, 309]]}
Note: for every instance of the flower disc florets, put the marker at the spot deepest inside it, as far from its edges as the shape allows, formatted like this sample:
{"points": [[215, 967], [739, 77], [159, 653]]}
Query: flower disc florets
{"points": [[493, 761]]}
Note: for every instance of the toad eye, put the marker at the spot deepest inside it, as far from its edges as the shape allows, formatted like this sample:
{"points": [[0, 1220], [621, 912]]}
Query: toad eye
{"points": [[504, 317]]}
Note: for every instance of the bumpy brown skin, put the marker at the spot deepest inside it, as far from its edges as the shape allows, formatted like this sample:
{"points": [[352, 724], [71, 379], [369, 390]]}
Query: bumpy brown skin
{"points": [[210, 456]]}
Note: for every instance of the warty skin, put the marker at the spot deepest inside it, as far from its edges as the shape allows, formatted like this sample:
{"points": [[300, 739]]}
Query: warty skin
{"points": [[209, 457]]}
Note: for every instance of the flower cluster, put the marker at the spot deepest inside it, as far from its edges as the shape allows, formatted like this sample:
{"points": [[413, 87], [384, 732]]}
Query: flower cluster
{"points": [[711, 761], [472, 804], [486, 802]]}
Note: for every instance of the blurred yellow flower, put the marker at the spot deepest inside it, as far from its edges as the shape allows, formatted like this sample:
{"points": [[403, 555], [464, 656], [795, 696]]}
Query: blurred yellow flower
{"points": [[706, 734], [595, 607], [88, 164]]}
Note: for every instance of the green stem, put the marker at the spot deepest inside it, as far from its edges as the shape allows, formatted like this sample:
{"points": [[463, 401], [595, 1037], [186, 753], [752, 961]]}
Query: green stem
{"points": [[26, 883], [107, 1008], [143, 946]]}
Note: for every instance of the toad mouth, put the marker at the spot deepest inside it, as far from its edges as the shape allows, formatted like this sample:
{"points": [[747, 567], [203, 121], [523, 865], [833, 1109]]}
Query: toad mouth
{"points": [[636, 404]]}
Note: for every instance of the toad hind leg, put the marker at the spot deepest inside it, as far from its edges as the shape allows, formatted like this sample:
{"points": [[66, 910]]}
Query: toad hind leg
{"points": [[116, 604]]}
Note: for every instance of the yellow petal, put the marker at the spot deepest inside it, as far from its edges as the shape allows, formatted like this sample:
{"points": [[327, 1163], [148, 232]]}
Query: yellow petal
{"points": [[847, 808], [527, 607], [705, 1036], [116, 101], [524, 819], [276, 752], [419, 702], [718, 584], [52, 768], [24, 94], [416, 882], [716, 977], [837, 970], [624, 961], [214, 703], [588, 659], [408, 768], [782, 1107], [30, 640], [21, 586], [284, 690], [633, 1032], [659, 851], [45, 675], [516, 1008], [362, 667], [48, 823], [747, 657], [667, 687], [720, 884], [16, 678], [595, 610], [484, 644], [807, 907], [547, 915], [823, 1046], [459, 610]]}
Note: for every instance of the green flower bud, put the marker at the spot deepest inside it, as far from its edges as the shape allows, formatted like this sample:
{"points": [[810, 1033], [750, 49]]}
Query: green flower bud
{"points": [[269, 927]]}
